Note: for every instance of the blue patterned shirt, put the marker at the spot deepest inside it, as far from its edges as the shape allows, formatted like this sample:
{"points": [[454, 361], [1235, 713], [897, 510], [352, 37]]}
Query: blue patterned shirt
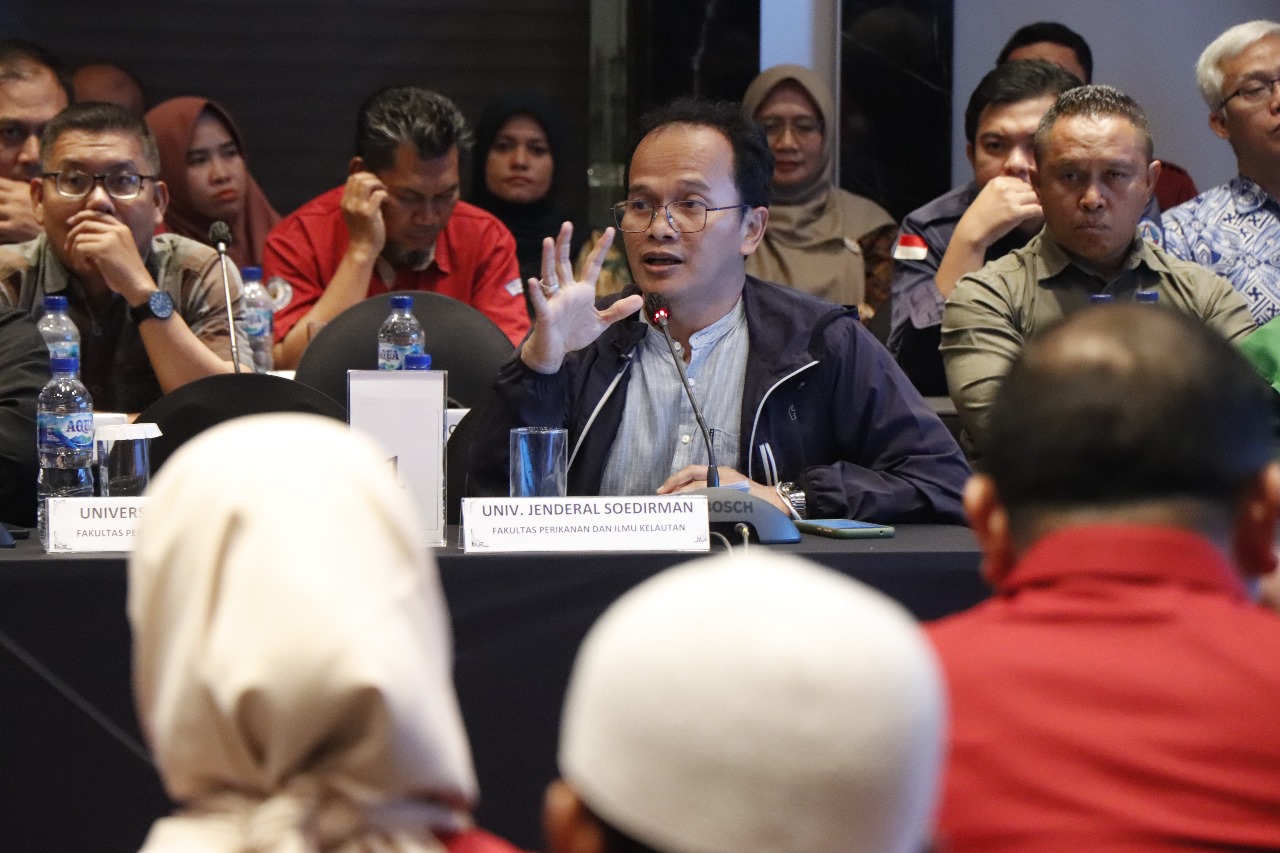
{"points": [[1234, 230]]}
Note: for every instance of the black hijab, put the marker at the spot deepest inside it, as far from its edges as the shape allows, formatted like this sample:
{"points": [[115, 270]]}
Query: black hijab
{"points": [[529, 223]]}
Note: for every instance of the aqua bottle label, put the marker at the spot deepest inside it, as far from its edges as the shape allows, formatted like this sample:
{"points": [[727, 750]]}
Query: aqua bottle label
{"points": [[64, 349], [74, 431], [391, 357], [257, 322]]}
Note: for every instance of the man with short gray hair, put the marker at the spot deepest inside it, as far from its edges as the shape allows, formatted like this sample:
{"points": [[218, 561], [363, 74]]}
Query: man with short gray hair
{"points": [[1094, 173], [1234, 228], [396, 225]]}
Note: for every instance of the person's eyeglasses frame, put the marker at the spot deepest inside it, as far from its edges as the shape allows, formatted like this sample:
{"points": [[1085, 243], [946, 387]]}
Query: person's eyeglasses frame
{"points": [[620, 210], [1267, 91], [100, 178]]}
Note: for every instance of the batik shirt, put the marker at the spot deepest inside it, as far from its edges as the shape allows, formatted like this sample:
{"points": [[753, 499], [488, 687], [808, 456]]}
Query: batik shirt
{"points": [[1234, 230]]}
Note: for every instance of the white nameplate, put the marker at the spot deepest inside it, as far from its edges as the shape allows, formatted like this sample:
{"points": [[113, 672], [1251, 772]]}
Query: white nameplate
{"points": [[638, 523], [404, 411], [93, 524]]}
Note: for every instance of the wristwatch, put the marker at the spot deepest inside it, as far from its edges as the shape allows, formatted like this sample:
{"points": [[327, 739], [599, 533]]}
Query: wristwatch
{"points": [[158, 305], [794, 495]]}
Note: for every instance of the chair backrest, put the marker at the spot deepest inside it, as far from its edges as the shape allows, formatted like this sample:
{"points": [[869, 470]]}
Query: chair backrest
{"points": [[459, 338], [195, 407]]}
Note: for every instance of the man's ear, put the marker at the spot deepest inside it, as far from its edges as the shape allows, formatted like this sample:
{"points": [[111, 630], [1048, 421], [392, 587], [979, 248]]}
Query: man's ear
{"points": [[37, 199], [1153, 173], [1218, 123], [567, 824], [1254, 525], [356, 165], [753, 225], [162, 200], [990, 523], [968, 153]]}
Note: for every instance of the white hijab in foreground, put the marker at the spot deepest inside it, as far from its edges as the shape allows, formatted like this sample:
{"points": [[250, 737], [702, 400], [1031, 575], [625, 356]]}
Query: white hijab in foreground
{"points": [[292, 652]]}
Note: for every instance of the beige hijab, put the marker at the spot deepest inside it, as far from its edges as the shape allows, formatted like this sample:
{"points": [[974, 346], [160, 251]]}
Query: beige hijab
{"points": [[811, 242], [292, 652]]}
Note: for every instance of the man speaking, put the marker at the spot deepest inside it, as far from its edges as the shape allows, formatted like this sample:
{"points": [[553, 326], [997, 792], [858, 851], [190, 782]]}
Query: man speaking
{"points": [[805, 408]]}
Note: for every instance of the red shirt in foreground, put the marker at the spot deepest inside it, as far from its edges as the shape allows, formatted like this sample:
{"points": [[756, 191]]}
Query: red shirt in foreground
{"points": [[475, 263], [1120, 692]]}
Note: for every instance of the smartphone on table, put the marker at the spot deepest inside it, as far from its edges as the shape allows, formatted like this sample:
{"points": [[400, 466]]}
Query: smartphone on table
{"points": [[844, 528]]}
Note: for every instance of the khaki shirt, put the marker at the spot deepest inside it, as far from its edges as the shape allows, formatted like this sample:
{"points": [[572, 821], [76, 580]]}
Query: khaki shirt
{"points": [[994, 311], [114, 364]]}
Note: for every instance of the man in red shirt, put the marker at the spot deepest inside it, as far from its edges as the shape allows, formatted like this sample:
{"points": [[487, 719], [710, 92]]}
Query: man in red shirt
{"points": [[1118, 690], [397, 224]]}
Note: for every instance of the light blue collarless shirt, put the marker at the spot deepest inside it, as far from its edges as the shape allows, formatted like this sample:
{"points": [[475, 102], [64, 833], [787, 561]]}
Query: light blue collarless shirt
{"points": [[659, 434]]}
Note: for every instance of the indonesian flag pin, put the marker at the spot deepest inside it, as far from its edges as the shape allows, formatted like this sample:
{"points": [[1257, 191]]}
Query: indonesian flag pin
{"points": [[910, 247]]}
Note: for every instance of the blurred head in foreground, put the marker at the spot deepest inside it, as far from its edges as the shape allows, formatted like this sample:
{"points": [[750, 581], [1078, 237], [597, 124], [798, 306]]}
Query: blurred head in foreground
{"points": [[1128, 414], [292, 651], [758, 703]]}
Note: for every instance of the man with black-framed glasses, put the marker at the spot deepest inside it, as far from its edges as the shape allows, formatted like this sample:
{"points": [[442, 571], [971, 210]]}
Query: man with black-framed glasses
{"points": [[1234, 228], [150, 309], [806, 409]]}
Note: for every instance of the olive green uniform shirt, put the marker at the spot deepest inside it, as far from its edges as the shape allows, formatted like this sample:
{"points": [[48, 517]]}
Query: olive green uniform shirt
{"points": [[994, 311]]}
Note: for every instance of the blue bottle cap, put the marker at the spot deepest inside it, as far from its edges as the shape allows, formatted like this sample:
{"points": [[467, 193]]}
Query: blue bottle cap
{"points": [[64, 364], [1146, 296], [401, 303], [55, 303], [251, 273], [1098, 298], [417, 361]]}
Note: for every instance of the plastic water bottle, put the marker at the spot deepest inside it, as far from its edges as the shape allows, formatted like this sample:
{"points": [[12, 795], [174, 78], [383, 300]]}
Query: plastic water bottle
{"points": [[259, 322], [400, 335], [64, 439], [60, 334]]}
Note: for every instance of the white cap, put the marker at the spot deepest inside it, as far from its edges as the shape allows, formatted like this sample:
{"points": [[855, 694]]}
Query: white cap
{"points": [[758, 703]]}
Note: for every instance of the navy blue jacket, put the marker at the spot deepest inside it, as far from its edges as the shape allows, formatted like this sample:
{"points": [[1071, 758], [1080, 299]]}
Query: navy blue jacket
{"points": [[824, 405]]}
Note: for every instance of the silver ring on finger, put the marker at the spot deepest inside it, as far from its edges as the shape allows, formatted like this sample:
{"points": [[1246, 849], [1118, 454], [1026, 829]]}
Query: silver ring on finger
{"points": [[548, 288]]}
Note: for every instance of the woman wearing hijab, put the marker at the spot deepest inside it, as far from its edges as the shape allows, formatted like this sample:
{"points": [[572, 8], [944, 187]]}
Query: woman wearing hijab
{"points": [[203, 162], [820, 238], [520, 141], [292, 653]]}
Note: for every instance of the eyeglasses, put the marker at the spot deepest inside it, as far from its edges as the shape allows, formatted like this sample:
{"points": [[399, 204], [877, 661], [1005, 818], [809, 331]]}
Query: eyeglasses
{"points": [[684, 216], [801, 127], [122, 186], [1254, 92]]}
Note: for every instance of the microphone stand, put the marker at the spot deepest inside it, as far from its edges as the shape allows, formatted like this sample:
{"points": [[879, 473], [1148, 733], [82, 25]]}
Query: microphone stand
{"points": [[656, 308], [220, 237]]}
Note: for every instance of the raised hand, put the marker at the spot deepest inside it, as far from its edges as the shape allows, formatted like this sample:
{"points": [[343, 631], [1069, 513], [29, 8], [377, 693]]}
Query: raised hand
{"points": [[362, 200], [565, 316], [100, 245], [1003, 204], [17, 214]]}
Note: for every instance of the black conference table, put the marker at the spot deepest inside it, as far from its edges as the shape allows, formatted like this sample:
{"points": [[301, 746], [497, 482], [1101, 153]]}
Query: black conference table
{"points": [[70, 784]]}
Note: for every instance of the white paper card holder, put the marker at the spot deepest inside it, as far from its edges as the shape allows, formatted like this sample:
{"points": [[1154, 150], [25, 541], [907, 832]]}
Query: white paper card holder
{"points": [[640, 523], [404, 411], [93, 524]]}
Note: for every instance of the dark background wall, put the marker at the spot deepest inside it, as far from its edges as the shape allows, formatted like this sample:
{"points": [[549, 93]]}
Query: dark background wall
{"points": [[294, 72]]}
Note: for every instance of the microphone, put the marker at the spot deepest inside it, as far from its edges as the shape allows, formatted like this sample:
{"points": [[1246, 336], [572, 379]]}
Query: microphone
{"points": [[220, 239], [659, 312]]}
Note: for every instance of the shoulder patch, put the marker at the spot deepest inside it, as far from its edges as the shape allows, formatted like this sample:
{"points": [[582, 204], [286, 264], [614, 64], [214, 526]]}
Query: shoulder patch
{"points": [[280, 291], [1151, 231], [514, 287]]}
